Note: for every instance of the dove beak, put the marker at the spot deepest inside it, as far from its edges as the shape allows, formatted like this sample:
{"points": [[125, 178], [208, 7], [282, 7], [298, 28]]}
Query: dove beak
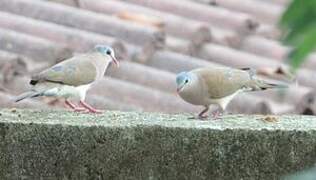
{"points": [[179, 89], [116, 62]]}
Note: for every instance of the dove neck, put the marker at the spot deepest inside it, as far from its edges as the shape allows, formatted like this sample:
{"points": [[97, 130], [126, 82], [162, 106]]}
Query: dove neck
{"points": [[101, 62]]}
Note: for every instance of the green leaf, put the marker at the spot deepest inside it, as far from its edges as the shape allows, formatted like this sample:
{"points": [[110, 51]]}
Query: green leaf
{"points": [[299, 23], [297, 35], [294, 12], [299, 53]]}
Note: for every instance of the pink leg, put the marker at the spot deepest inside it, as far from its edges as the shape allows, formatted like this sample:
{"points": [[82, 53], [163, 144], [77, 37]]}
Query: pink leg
{"points": [[218, 113], [89, 108], [202, 114], [74, 107]]}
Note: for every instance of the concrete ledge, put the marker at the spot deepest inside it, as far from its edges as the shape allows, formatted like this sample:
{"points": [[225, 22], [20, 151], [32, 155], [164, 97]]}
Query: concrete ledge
{"points": [[115, 145]]}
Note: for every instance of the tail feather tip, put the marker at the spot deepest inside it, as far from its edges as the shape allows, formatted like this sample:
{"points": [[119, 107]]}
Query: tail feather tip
{"points": [[25, 95]]}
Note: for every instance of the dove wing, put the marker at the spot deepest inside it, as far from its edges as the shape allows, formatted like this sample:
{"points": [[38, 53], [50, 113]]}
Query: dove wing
{"points": [[221, 82], [75, 71]]}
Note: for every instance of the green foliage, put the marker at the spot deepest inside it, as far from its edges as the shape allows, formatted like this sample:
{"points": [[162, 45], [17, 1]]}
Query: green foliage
{"points": [[299, 23]]}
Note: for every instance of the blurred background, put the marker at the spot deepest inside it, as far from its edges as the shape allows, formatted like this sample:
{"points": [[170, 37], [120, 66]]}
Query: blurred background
{"points": [[154, 40]]}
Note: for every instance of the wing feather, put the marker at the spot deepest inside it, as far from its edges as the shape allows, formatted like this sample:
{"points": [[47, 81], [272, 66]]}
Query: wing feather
{"points": [[222, 82], [75, 72]]}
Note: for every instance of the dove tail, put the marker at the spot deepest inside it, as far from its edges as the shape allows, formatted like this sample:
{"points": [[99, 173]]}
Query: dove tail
{"points": [[29, 94], [271, 86], [257, 85]]}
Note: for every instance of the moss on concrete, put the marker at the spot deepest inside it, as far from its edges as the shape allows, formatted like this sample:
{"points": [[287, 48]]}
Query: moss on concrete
{"points": [[116, 145]]}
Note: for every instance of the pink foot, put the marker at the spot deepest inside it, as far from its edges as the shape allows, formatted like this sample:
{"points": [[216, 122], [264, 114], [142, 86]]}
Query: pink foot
{"points": [[217, 115], [202, 117], [79, 109], [74, 107], [90, 108], [96, 111]]}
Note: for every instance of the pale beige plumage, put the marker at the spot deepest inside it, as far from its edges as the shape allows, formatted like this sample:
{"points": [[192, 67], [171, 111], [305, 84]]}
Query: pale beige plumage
{"points": [[72, 78], [76, 71], [206, 86]]}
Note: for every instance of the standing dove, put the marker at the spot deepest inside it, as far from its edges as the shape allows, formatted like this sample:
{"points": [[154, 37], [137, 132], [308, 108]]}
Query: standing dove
{"points": [[71, 78], [217, 85]]}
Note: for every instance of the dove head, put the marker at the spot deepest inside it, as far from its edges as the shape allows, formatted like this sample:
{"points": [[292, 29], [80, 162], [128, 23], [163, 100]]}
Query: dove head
{"points": [[183, 79], [107, 51]]}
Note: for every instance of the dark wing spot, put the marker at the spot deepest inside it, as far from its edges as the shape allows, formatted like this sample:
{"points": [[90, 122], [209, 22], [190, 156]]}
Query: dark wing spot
{"points": [[33, 82], [59, 82], [245, 69]]}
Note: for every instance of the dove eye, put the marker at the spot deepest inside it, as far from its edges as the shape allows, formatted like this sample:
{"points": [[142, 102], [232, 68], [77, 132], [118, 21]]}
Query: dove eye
{"points": [[186, 81], [108, 52]]}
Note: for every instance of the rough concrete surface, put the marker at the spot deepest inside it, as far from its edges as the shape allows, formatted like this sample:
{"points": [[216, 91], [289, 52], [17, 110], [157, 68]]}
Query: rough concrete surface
{"points": [[116, 145]]}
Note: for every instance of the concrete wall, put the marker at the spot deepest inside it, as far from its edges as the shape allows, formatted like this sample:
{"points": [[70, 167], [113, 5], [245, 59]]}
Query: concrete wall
{"points": [[115, 145]]}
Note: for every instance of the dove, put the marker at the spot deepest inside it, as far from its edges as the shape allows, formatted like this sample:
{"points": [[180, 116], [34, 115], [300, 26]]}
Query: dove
{"points": [[217, 85], [71, 78]]}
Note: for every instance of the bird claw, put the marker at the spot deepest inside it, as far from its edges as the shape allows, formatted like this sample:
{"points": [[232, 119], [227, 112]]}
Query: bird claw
{"points": [[95, 111], [90, 108], [217, 115], [217, 118], [83, 110], [78, 109], [203, 117]]}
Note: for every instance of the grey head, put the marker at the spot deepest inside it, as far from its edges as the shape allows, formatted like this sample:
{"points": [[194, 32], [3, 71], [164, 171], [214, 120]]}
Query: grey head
{"points": [[183, 79], [107, 51]]}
